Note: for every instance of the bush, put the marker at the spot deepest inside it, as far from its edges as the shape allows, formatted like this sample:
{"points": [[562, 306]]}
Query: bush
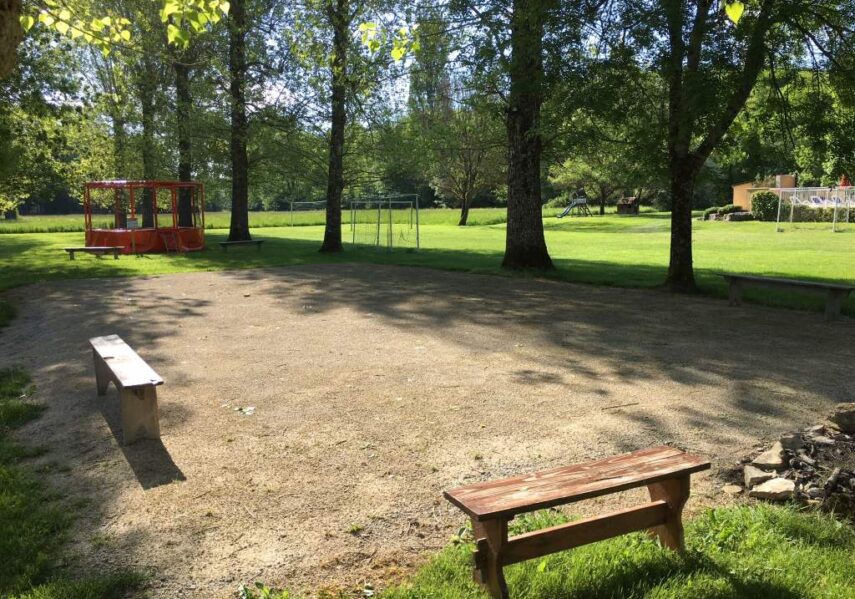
{"points": [[728, 209], [764, 206], [710, 210]]}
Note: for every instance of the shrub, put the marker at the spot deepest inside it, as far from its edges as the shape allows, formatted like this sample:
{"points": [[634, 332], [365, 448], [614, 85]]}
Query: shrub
{"points": [[728, 209], [764, 205]]}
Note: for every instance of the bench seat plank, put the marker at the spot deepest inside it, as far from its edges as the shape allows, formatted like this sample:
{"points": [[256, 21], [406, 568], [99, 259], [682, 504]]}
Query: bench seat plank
{"points": [[508, 497], [778, 281], [127, 367]]}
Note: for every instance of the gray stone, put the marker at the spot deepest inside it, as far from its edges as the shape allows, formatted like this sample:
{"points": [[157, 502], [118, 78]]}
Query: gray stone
{"points": [[843, 417], [806, 458], [773, 458], [822, 440], [732, 489], [815, 428], [777, 489], [755, 476], [814, 493], [792, 441], [738, 216]]}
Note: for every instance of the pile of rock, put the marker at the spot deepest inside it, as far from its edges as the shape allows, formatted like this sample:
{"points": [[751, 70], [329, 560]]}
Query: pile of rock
{"points": [[814, 465]]}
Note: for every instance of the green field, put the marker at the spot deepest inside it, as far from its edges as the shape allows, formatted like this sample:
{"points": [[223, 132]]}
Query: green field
{"points": [[610, 250]]}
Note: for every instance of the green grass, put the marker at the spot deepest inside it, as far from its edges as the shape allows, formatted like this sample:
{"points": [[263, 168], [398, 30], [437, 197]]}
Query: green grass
{"points": [[69, 223], [739, 552], [33, 521], [610, 250]]}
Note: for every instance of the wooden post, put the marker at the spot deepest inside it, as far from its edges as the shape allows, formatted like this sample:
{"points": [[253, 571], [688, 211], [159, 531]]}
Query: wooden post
{"points": [[834, 303], [139, 414], [102, 373], [735, 292], [675, 492], [491, 537]]}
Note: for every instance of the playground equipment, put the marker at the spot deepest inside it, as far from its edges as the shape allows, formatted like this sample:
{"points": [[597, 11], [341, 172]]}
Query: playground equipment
{"points": [[580, 205], [815, 204], [148, 216]]}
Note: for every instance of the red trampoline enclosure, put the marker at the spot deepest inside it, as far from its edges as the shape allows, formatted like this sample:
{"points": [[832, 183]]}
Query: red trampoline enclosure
{"points": [[147, 216]]}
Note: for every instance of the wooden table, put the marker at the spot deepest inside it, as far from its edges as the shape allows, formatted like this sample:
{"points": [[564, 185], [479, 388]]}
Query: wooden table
{"points": [[664, 470]]}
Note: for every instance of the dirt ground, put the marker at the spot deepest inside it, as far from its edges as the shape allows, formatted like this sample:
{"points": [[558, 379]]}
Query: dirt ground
{"points": [[374, 389]]}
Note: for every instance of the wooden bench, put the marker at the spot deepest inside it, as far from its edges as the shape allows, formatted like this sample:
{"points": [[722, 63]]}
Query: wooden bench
{"points": [[835, 293], [98, 250], [491, 505], [136, 382], [257, 242]]}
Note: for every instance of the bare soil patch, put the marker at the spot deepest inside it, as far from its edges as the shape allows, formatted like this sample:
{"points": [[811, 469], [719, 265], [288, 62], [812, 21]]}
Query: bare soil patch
{"points": [[374, 389]]}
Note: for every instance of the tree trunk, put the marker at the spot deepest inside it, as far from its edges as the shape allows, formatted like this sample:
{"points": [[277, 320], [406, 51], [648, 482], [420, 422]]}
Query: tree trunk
{"points": [[602, 205], [681, 276], [335, 176], [11, 35], [525, 246], [464, 213], [183, 107], [120, 144], [239, 226], [148, 89]]}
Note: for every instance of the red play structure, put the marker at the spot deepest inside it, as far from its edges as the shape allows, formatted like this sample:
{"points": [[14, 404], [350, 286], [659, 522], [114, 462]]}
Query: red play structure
{"points": [[148, 216]]}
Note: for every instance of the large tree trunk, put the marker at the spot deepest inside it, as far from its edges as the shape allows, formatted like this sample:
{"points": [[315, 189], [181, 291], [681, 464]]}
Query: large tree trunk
{"points": [[148, 89], [183, 107], [239, 227], [525, 246], [681, 276], [11, 35], [337, 13]]}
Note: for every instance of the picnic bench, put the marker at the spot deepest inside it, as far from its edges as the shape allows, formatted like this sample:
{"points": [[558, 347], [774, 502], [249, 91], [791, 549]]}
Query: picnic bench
{"points": [[835, 293], [136, 383], [98, 250], [664, 470], [227, 244]]}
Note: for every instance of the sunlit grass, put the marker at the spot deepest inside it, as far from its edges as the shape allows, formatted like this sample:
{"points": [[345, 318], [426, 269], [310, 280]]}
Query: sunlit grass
{"points": [[611, 250], [738, 552]]}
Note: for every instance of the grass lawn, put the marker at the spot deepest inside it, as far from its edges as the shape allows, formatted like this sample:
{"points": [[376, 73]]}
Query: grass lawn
{"points": [[610, 250], [741, 552], [33, 520]]}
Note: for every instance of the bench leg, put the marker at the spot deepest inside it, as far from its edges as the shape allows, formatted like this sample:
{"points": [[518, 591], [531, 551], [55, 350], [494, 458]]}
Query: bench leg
{"points": [[71, 255], [139, 414], [102, 373], [834, 304], [491, 537], [735, 293], [675, 492]]}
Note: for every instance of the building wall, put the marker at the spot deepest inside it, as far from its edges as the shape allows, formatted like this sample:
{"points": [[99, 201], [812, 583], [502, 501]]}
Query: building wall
{"points": [[741, 196]]}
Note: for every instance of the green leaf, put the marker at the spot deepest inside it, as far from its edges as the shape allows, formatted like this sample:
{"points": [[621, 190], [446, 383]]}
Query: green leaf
{"points": [[398, 53], [62, 27], [734, 11], [168, 9], [46, 18], [27, 22], [65, 14], [225, 6]]}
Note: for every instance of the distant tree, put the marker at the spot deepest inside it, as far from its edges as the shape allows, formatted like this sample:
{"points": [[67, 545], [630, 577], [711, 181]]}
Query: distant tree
{"points": [[468, 156]]}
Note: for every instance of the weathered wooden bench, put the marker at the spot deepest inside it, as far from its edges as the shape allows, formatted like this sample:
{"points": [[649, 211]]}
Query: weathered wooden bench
{"points": [[227, 244], [136, 382], [98, 250], [835, 293], [491, 505]]}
